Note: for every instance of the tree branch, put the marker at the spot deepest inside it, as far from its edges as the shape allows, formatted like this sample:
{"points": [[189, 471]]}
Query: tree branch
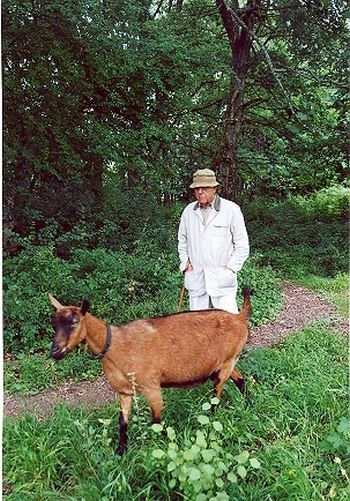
{"points": [[267, 57]]}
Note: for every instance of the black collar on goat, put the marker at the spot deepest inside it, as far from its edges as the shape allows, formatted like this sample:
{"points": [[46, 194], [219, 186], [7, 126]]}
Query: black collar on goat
{"points": [[106, 346], [174, 350]]}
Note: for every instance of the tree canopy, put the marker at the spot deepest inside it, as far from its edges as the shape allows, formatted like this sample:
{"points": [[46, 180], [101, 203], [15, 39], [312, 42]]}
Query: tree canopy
{"points": [[137, 95]]}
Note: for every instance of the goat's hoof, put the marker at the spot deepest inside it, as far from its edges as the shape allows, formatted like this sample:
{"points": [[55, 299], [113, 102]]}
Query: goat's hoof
{"points": [[120, 451]]}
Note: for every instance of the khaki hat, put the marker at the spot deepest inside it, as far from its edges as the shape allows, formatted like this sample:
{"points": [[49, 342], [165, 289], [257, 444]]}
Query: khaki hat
{"points": [[204, 178]]}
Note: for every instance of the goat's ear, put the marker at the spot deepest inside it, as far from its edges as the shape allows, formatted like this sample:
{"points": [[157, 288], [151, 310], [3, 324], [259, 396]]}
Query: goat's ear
{"points": [[55, 303], [85, 307]]}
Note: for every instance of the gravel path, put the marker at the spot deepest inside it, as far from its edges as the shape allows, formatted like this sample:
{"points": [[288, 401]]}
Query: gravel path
{"points": [[301, 306]]}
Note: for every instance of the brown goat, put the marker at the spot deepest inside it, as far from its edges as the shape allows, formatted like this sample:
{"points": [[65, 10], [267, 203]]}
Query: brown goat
{"points": [[182, 349]]}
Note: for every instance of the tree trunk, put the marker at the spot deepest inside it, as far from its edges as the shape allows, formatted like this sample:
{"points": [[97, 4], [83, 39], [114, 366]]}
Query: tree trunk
{"points": [[238, 23]]}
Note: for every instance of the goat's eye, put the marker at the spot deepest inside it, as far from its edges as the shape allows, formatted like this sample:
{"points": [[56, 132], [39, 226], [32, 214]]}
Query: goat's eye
{"points": [[75, 324]]}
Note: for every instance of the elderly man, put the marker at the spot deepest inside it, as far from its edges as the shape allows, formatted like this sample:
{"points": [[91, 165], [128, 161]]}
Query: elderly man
{"points": [[213, 246]]}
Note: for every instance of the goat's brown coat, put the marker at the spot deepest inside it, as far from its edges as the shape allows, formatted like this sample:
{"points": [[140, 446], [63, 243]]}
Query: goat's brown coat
{"points": [[145, 355]]}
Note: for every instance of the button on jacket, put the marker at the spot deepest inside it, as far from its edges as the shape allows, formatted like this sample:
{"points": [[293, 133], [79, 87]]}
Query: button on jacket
{"points": [[217, 249]]}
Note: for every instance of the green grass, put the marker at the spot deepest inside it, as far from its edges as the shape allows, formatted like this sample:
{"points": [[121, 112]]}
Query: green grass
{"points": [[30, 374], [299, 397]]}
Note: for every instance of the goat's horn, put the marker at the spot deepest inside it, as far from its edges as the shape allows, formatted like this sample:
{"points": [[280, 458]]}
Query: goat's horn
{"points": [[55, 303]]}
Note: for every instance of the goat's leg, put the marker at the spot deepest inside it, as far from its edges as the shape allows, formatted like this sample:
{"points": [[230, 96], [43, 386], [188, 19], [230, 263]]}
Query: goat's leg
{"points": [[155, 401], [239, 380], [222, 377], [125, 404]]}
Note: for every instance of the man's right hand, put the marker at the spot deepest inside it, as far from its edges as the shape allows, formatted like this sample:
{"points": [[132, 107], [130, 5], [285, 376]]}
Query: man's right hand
{"points": [[189, 266]]}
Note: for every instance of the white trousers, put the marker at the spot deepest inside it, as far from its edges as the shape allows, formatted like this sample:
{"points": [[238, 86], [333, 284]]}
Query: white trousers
{"points": [[227, 303]]}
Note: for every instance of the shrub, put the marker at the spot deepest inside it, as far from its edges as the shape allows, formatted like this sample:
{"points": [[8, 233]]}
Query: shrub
{"points": [[301, 235], [328, 203], [28, 278], [120, 287]]}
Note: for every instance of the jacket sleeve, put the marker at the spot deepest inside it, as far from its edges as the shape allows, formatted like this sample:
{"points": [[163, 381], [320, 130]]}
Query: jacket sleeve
{"points": [[240, 242], [183, 243]]}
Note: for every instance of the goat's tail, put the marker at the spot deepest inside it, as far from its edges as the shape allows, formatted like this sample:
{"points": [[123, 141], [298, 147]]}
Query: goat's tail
{"points": [[246, 308]]}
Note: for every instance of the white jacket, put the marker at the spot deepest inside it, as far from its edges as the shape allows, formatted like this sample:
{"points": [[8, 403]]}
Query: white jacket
{"points": [[217, 250]]}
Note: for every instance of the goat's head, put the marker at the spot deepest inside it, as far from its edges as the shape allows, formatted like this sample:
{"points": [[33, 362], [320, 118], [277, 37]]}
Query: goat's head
{"points": [[70, 328]]}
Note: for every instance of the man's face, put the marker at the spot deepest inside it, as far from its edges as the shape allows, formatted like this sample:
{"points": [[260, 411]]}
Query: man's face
{"points": [[204, 195]]}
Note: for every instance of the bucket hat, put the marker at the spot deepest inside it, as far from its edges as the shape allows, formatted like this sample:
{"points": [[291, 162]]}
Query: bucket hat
{"points": [[204, 178]]}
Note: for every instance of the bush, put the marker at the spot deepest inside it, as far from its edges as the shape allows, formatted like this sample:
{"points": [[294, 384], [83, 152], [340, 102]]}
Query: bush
{"points": [[120, 287], [27, 280], [328, 203], [199, 466], [301, 235], [266, 295]]}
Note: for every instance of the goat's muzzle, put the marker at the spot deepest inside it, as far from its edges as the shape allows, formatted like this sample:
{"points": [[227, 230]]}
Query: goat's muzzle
{"points": [[57, 352]]}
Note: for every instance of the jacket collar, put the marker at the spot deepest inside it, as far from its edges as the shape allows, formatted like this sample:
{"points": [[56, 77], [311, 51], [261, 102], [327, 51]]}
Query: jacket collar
{"points": [[216, 205]]}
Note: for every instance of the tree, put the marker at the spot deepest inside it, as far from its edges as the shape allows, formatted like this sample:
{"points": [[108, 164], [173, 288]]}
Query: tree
{"points": [[276, 34]]}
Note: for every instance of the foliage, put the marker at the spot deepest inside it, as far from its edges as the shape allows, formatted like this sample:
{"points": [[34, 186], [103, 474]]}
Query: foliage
{"points": [[120, 287], [266, 296], [301, 235], [298, 396], [328, 204], [133, 91], [198, 466], [339, 440]]}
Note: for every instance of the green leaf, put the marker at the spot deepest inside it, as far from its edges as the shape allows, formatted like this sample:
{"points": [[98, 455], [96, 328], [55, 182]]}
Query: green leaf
{"points": [[203, 419], [214, 401], [214, 445], [194, 474], [200, 439], [197, 486], [255, 463], [218, 426], [241, 471], [208, 454], [170, 433], [232, 477], [344, 426], [301, 116], [189, 455], [222, 496], [222, 465], [158, 453], [207, 470], [242, 457], [206, 406], [201, 497], [157, 427], [173, 446], [172, 454], [219, 483], [195, 450], [171, 466]]}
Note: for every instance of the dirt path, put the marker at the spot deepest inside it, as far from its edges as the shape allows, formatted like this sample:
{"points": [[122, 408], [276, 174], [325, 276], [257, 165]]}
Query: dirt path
{"points": [[301, 306]]}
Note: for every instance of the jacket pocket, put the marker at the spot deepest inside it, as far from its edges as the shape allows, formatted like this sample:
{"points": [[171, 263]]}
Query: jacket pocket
{"points": [[226, 277], [220, 230], [193, 281]]}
